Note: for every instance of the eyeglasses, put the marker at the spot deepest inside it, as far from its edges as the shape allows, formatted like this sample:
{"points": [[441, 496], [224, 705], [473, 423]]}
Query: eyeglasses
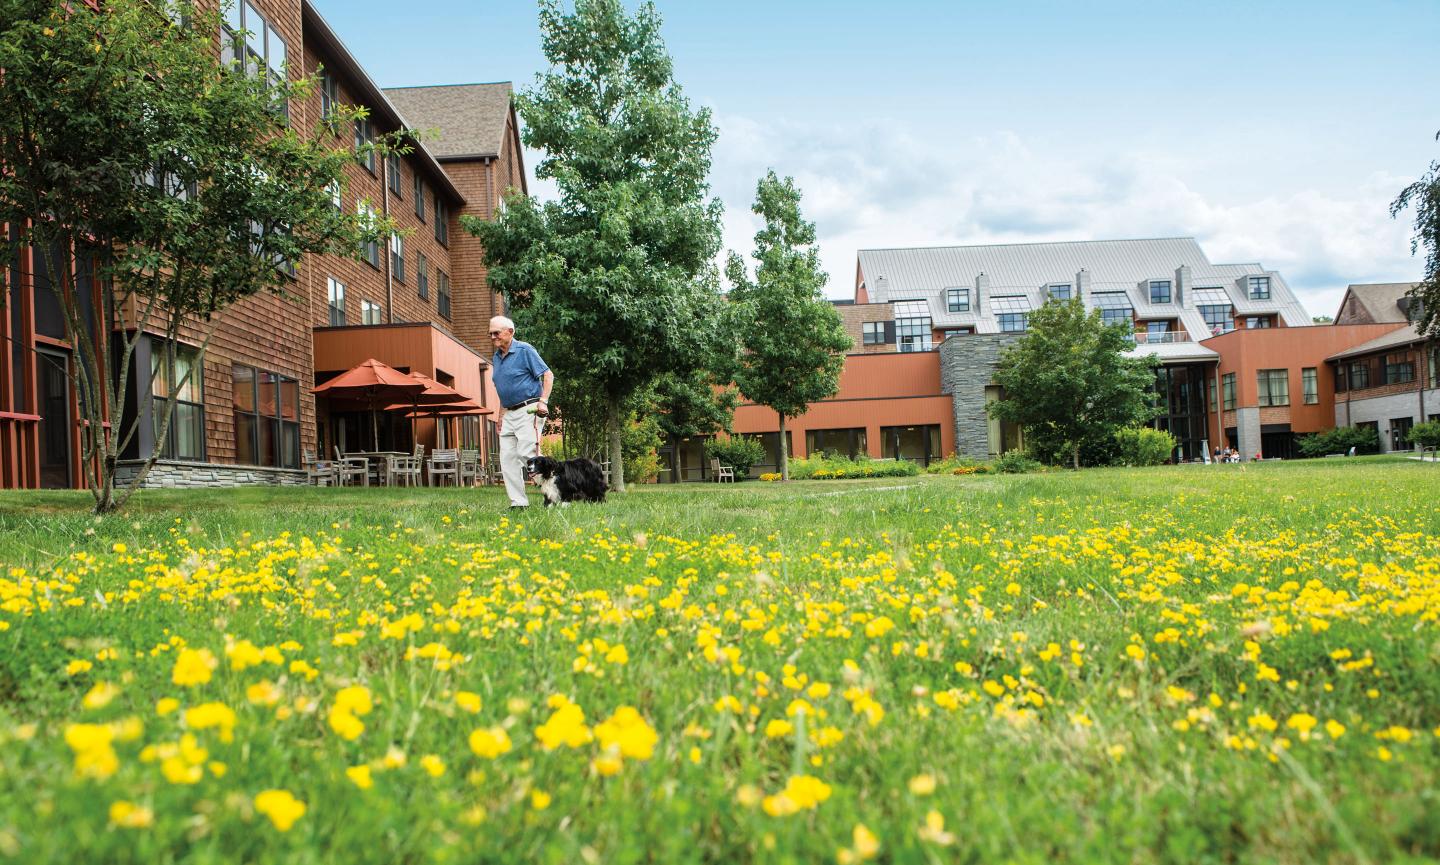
{"points": [[496, 332]]}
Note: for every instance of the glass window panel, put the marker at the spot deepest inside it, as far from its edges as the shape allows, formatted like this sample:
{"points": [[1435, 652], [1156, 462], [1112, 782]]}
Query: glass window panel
{"points": [[243, 390], [1012, 303], [1160, 291], [289, 399], [268, 435], [1211, 296], [1060, 291], [245, 430]]}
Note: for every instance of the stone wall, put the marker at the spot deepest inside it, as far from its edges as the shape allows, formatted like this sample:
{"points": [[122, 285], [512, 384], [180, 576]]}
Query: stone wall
{"points": [[967, 367], [189, 475], [1382, 409]]}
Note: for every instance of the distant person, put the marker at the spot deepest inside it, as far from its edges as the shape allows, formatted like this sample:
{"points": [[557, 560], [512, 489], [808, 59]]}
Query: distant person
{"points": [[522, 382]]}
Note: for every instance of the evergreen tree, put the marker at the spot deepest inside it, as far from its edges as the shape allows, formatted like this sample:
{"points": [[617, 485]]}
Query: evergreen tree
{"points": [[615, 282], [792, 340]]}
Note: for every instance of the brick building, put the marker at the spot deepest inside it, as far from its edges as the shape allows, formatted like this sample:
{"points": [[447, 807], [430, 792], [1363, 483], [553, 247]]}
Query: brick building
{"points": [[1391, 382], [419, 302]]}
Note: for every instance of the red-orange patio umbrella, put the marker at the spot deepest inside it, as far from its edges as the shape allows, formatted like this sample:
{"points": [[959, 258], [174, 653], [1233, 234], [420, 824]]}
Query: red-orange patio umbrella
{"points": [[372, 382]]}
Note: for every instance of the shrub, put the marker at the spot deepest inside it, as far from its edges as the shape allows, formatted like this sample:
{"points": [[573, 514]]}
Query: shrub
{"points": [[1426, 435], [1365, 440], [824, 467], [1143, 446], [1015, 463], [737, 452]]}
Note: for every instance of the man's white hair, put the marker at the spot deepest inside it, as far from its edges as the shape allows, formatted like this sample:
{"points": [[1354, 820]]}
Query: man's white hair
{"points": [[500, 322]]}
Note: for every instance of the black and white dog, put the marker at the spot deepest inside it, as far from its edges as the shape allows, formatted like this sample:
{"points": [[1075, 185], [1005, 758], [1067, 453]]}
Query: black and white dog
{"points": [[568, 481]]}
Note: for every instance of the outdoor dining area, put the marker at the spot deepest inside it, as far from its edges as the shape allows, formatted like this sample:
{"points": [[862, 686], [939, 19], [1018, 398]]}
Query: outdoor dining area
{"points": [[380, 391]]}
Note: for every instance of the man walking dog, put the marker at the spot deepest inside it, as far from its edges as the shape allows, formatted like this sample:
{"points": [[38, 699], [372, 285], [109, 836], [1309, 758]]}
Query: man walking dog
{"points": [[522, 382]]}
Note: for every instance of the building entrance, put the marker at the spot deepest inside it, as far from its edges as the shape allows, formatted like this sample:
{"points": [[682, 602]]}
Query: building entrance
{"points": [[56, 429]]}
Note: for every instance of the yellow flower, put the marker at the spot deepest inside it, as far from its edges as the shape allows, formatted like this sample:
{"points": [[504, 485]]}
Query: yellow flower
{"points": [[360, 777], [345, 725], [100, 695], [130, 816], [281, 807], [539, 800], [608, 763], [166, 705], [94, 756], [617, 655], [801, 792], [779, 728], [193, 667], [565, 726], [922, 785], [629, 732], [354, 699], [1334, 728], [490, 743], [468, 701], [866, 845], [433, 765], [74, 668], [394, 758], [117, 547], [208, 715], [264, 693]]}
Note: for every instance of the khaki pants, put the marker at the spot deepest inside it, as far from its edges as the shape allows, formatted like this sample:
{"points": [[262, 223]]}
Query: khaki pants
{"points": [[519, 441]]}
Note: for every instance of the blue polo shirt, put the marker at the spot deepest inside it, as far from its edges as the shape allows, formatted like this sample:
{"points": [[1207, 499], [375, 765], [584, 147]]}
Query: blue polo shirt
{"points": [[517, 374]]}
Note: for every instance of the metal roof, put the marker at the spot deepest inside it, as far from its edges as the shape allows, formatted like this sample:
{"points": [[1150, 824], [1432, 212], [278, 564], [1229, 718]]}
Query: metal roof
{"points": [[1102, 266]]}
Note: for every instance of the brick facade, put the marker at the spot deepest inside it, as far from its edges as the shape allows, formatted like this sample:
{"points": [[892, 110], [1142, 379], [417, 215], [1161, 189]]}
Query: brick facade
{"points": [[855, 315]]}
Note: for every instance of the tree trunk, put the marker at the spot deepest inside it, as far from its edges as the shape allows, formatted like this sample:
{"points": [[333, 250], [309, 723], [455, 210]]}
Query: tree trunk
{"points": [[617, 455], [1075, 455], [784, 453]]}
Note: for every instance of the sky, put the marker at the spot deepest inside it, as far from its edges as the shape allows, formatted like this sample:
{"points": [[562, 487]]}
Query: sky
{"points": [[1272, 132]]}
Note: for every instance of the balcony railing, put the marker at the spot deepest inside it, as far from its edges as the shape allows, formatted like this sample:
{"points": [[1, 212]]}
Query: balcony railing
{"points": [[1168, 336]]}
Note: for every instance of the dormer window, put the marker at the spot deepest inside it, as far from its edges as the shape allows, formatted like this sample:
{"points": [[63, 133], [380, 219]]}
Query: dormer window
{"points": [[1259, 287], [1060, 290], [1160, 291], [957, 300]]}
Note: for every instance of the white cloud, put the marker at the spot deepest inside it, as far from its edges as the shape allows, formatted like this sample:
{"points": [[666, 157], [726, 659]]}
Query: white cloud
{"points": [[879, 185]]}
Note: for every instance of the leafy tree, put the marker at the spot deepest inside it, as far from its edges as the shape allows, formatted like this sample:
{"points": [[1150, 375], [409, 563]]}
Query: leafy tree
{"points": [[1322, 319], [1068, 378], [1425, 435], [133, 159], [792, 340], [614, 282], [1424, 194]]}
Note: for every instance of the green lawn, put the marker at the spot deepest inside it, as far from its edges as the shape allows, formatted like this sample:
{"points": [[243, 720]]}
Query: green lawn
{"points": [[1183, 664]]}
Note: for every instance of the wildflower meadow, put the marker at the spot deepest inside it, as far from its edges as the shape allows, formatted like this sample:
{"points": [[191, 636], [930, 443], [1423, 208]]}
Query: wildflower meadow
{"points": [[1185, 664]]}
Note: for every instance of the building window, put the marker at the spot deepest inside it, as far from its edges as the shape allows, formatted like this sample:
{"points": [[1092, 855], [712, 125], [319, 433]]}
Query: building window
{"points": [[1214, 405], [422, 276], [912, 326], [329, 95], [1156, 330], [365, 143], [1254, 322], [419, 190], [1259, 287], [951, 332], [916, 443], [392, 172], [247, 37], [267, 418], [1399, 368], [1274, 386], [1400, 433], [335, 196], [1115, 308], [1160, 291], [1359, 375], [848, 443], [369, 249], [442, 222], [1060, 291], [1227, 389], [1310, 385], [957, 300], [397, 257], [369, 312], [1013, 313], [442, 293], [1220, 319], [1434, 367], [185, 440], [873, 333], [337, 302]]}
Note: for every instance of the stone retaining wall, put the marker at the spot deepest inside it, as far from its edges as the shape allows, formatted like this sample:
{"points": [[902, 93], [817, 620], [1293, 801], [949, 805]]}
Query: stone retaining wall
{"points": [[189, 475]]}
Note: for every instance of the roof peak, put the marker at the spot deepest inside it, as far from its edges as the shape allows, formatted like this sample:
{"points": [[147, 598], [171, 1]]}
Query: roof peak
{"points": [[463, 84], [1027, 243]]}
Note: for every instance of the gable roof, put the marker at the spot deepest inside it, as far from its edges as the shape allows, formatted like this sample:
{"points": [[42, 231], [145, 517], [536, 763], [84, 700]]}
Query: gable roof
{"points": [[1400, 336], [1381, 300], [471, 118]]}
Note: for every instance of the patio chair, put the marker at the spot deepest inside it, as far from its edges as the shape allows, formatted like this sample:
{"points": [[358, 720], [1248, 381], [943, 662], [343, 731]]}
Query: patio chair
{"points": [[469, 467], [721, 473], [406, 469], [320, 473], [348, 468], [443, 462]]}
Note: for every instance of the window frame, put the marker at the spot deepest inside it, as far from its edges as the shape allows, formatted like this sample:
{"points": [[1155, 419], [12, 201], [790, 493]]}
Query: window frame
{"points": [[1252, 283], [393, 166], [442, 293], [422, 276], [369, 310], [418, 189], [169, 449], [1051, 294], [369, 249], [397, 257], [957, 299], [1225, 323], [1266, 381], [1399, 368], [442, 221], [365, 143], [282, 429], [1169, 290], [335, 301], [1310, 385], [1227, 392]]}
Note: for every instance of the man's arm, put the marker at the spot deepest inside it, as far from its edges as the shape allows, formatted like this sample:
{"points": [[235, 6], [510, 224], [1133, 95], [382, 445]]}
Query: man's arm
{"points": [[546, 382]]}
